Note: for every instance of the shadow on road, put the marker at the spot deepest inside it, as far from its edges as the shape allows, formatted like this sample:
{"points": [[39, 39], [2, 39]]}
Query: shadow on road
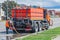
{"points": [[4, 32]]}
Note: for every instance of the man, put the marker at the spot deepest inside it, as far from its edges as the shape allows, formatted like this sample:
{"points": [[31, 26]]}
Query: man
{"points": [[7, 25], [48, 18]]}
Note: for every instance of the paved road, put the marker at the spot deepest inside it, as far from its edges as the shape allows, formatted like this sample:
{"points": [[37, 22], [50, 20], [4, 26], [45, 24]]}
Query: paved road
{"points": [[3, 35], [57, 38], [2, 31], [56, 23], [2, 26]]}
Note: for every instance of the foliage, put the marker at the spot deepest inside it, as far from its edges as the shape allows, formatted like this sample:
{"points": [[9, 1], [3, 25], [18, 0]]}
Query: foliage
{"points": [[46, 35], [10, 5]]}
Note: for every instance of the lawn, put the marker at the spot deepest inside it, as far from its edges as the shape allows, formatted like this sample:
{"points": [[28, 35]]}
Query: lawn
{"points": [[46, 35]]}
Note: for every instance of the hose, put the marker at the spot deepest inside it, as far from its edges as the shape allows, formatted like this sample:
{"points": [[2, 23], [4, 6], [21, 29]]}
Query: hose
{"points": [[15, 30]]}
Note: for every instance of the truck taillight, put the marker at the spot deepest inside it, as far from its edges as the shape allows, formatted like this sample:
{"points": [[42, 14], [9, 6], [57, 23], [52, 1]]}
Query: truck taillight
{"points": [[28, 27]]}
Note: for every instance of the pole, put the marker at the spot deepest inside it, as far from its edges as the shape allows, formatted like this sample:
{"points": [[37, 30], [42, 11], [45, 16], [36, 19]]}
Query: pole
{"points": [[7, 10], [16, 2]]}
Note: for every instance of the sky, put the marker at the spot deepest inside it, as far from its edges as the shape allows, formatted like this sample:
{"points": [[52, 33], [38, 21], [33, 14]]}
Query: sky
{"points": [[41, 3]]}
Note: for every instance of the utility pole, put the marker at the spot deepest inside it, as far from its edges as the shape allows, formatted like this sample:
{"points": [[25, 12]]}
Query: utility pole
{"points": [[16, 2], [7, 10]]}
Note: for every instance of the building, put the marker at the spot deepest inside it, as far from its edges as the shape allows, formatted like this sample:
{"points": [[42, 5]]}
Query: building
{"points": [[52, 13], [55, 12], [2, 15]]}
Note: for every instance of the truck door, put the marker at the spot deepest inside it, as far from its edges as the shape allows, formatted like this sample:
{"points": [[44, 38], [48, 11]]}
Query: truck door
{"points": [[45, 13]]}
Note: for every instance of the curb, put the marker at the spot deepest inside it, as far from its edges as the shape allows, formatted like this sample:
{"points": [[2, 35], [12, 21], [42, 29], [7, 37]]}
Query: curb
{"points": [[27, 35], [30, 35]]}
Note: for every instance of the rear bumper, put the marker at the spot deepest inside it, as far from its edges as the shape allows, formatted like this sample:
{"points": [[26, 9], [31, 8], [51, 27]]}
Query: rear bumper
{"points": [[21, 29]]}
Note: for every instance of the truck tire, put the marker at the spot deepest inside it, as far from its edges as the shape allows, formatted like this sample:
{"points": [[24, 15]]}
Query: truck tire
{"points": [[42, 29], [39, 29], [34, 29], [47, 28]]}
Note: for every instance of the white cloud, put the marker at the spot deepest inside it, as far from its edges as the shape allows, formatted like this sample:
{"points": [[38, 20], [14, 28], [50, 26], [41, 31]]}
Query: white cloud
{"points": [[2, 1], [58, 1], [41, 3], [47, 4]]}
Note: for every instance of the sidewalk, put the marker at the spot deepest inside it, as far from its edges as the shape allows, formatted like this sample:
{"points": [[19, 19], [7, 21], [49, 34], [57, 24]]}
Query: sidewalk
{"points": [[57, 38]]}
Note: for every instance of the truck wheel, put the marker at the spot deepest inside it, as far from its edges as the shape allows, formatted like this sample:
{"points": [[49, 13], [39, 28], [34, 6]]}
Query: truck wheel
{"points": [[47, 27], [39, 29], [42, 29], [34, 29]]}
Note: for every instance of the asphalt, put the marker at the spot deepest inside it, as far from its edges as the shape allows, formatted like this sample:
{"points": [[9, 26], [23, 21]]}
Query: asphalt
{"points": [[56, 23]]}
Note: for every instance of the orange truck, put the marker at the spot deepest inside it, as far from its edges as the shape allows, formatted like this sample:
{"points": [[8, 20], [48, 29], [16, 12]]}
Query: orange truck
{"points": [[29, 19]]}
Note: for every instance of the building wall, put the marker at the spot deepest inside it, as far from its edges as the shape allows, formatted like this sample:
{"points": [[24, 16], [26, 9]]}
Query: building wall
{"points": [[1, 12]]}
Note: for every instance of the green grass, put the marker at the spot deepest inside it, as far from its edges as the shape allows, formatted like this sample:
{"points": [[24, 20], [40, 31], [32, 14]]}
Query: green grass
{"points": [[46, 35]]}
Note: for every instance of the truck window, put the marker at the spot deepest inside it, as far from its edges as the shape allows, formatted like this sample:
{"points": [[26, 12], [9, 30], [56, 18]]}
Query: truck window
{"points": [[44, 21]]}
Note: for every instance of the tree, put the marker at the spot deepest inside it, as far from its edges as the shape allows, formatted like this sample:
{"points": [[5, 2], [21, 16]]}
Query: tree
{"points": [[11, 4]]}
